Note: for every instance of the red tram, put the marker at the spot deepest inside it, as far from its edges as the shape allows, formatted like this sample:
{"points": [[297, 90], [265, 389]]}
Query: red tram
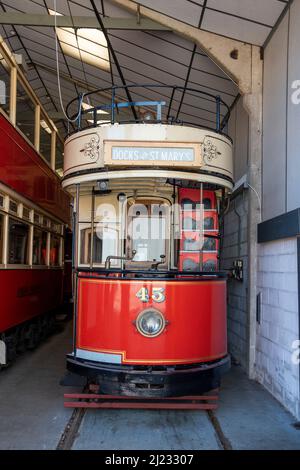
{"points": [[150, 300], [34, 211]]}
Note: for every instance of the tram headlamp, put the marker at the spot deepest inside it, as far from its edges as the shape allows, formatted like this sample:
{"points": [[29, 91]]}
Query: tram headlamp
{"points": [[150, 322]]}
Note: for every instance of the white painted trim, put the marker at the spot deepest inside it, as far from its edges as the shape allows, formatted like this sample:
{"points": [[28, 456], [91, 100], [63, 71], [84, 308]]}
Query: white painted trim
{"points": [[125, 174], [99, 356]]}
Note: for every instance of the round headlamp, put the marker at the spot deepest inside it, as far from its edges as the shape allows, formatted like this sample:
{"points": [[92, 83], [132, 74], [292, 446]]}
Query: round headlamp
{"points": [[150, 322]]}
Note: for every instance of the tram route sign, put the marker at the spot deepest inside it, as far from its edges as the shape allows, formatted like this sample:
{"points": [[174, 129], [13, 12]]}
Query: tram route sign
{"points": [[152, 154]]}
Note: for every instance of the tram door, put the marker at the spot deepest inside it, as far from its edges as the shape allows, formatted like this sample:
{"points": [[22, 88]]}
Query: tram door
{"points": [[147, 233]]}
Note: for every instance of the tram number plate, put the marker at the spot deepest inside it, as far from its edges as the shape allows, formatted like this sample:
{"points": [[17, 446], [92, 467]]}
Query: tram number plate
{"points": [[157, 294]]}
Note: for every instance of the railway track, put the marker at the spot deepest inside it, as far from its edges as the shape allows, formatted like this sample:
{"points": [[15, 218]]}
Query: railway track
{"points": [[71, 430]]}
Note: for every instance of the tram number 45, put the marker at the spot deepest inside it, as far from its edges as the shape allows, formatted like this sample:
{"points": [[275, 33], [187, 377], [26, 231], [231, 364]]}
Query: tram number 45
{"points": [[157, 295]]}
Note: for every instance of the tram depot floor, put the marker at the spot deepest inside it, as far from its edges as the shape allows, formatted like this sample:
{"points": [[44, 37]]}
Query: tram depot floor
{"points": [[32, 415]]}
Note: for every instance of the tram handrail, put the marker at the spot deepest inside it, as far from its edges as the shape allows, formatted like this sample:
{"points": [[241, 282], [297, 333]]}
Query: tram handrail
{"points": [[115, 105], [151, 273]]}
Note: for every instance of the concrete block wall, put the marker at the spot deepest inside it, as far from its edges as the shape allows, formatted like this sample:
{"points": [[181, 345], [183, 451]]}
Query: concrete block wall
{"points": [[279, 324], [234, 247]]}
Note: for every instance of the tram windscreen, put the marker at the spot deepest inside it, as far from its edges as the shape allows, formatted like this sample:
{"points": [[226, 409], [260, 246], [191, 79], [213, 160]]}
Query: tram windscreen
{"points": [[149, 248]]}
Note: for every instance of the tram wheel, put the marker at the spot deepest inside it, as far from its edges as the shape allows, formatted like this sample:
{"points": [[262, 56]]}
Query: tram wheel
{"points": [[33, 336], [11, 347], [21, 339]]}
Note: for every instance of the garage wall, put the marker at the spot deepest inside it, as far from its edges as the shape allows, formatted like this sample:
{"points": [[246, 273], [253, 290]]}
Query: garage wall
{"points": [[281, 118], [274, 123], [238, 130], [279, 254], [278, 326], [293, 110], [234, 244]]}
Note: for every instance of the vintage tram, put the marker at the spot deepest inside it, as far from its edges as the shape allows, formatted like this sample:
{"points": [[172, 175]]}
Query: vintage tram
{"points": [[34, 211], [149, 193]]}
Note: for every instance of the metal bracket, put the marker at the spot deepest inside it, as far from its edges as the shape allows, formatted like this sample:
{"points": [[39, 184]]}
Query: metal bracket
{"points": [[237, 270]]}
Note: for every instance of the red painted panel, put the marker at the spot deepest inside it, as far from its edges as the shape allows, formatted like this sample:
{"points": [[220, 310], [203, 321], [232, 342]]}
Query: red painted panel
{"points": [[26, 293], [23, 170], [196, 312], [194, 195]]}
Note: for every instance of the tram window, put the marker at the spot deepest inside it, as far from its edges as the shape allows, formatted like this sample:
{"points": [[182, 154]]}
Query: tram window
{"points": [[18, 233], [104, 244], [4, 85], [13, 206], [39, 252], [59, 155], [45, 139], [1, 237], [85, 256], [25, 116], [54, 250], [26, 213], [147, 230], [36, 218]]}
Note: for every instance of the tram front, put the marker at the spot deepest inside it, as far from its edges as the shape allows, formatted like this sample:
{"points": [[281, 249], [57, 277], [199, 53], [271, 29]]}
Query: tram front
{"points": [[150, 300]]}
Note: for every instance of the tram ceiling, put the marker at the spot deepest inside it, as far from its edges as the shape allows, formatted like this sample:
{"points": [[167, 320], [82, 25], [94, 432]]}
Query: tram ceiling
{"points": [[146, 51]]}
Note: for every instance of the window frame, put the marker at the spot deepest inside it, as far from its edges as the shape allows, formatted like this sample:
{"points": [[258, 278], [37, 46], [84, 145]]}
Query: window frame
{"points": [[18, 220], [56, 230], [148, 201]]}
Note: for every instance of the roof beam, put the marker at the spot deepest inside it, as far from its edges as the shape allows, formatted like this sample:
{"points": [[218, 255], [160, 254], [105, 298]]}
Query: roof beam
{"points": [[232, 56], [28, 19]]}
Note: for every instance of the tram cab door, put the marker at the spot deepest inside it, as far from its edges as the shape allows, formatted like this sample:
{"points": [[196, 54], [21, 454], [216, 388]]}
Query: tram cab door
{"points": [[147, 240]]}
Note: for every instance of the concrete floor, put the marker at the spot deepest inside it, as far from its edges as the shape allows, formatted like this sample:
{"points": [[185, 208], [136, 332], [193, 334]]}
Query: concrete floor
{"points": [[32, 415]]}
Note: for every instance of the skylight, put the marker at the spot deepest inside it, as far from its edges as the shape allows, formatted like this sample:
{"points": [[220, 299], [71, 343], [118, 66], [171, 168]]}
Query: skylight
{"points": [[87, 106], [90, 45], [100, 112]]}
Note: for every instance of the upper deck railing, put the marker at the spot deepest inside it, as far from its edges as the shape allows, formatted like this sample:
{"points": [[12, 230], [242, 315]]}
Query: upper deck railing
{"points": [[162, 111], [21, 106]]}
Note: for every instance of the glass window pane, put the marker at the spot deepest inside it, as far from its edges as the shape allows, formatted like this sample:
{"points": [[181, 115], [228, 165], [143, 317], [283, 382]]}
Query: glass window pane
{"points": [[54, 250], [18, 233], [39, 252], [147, 231], [85, 239], [4, 85], [59, 156], [25, 113], [149, 238], [45, 139], [1, 237], [105, 243]]}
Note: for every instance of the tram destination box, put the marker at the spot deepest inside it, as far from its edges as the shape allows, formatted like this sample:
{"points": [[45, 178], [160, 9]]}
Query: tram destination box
{"points": [[179, 154]]}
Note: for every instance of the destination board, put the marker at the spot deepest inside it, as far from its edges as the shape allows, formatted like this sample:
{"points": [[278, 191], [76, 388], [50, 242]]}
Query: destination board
{"points": [[149, 154]]}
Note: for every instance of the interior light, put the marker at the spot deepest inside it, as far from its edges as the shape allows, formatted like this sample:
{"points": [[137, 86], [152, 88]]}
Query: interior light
{"points": [[45, 126], [102, 112], [90, 45]]}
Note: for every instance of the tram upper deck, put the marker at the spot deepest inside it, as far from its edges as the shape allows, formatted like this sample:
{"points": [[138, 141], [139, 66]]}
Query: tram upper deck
{"points": [[145, 139]]}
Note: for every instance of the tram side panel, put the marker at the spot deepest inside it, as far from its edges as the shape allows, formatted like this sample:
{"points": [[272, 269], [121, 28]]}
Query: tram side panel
{"points": [[27, 294]]}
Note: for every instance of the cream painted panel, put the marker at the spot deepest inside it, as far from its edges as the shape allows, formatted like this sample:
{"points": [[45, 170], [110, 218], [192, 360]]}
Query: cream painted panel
{"points": [[84, 150]]}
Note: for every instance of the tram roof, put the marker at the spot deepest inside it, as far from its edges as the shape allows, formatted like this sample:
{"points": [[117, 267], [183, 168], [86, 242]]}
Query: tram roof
{"points": [[145, 56]]}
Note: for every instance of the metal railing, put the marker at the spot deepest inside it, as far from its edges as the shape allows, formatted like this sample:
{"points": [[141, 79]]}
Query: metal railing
{"points": [[153, 111]]}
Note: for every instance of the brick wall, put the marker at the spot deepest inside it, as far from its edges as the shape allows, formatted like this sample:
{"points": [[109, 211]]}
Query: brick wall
{"points": [[279, 326], [235, 247]]}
